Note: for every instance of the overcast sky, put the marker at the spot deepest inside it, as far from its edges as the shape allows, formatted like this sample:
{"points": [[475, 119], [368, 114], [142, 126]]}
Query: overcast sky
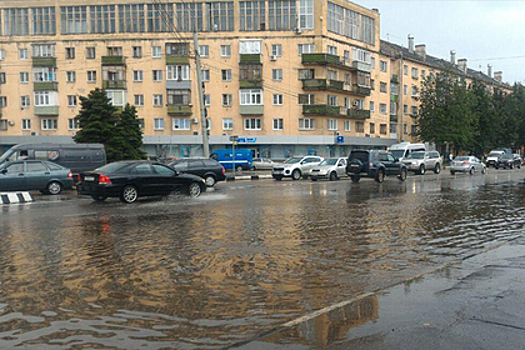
{"points": [[482, 31]]}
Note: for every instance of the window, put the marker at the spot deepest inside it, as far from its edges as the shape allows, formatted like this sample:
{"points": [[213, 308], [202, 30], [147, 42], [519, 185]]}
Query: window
{"points": [[372, 128], [179, 97], [278, 124], [252, 15], [117, 97], [372, 106], [26, 124], [139, 100], [204, 50], [157, 75], [251, 97], [219, 16], [373, 63], [102, 18], [71, 76], [282, 15], [346, 56], [306, 14], [332, 50], [24, 102], [405, 109], [181, 124], [70, 53], [382, 108], [16, 21], [2, 78], [305, 74], [131, 19], [227, 124], [363, 79], [71, 100], [347, 102], [423, 74], [208, 123], [49, 124], [91, 76], [383, 66], [3, 101], [142, 124], [332, 100], [331, 74], [226, 74], [405, 69], [156, 51], [158, 124], [414, 91], [158, 100], [359, 127], [382, 129], [382, 87], [3, 124], [277, 100], [138, 75], [372, 84], [41, 74], [226, 51], [227, 100], [332, 124], [137, 51], [306, 124], [413, 129], [205, 75], [178, 72], [405, 89], [405, 129], [359, 104], [277, 50], [249, 47], [45, 98], [252, 124], [43, 50], [415, 73], [306, 99], [305, 48], [207, 99], [91, 53], [73, 19], [277, 74], [23, 54], [72, 124], [347, 125], [413, 111], [189, 17]]}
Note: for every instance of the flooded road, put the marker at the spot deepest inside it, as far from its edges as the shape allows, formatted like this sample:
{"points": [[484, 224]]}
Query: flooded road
{"points": [[206, 273]]}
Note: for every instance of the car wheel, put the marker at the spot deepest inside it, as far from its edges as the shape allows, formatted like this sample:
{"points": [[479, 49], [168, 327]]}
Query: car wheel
{"points": [[210, 181], [484, 170], [355, 178], [422, 169], [437, 169], [403, 175], [296, 175], [99, 198], [333, 176], [54, 188], [471, 171], [380, 176], [278, 178], [452, 172], [129, 194], [511, 166], [239, 168], [194, 190]]}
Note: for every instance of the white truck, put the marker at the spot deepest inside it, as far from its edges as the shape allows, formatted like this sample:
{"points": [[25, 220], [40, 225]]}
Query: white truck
{"points": [[402, 150]]}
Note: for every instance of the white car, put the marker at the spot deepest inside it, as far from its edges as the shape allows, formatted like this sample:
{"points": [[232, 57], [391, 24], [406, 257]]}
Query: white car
{"points": [[420, 162], [296, 167], [467, 164], [492, 158], [264, 164], [332, 168]]}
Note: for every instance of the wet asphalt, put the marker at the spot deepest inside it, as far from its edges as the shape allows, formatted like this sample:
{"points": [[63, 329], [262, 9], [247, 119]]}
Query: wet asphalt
{"points": [[206, 273]]}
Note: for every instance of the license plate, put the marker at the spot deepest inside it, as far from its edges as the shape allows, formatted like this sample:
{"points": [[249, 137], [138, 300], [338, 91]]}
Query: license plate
{"points": [[89, 178], [277, 172], [354, 166]]}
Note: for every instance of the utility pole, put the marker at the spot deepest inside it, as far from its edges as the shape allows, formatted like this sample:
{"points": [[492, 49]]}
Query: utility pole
{"points": [[205, 139]]}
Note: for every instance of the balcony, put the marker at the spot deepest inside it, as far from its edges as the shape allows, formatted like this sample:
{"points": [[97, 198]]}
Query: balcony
{"points": [[46, 86], [360, 114], [114, 84], [323, 59], [46, 111], [177, 59], [178, 84], [322, 110], [394, 98], [394, 79], [393, 118], [250, 58], [362, 66], [179, 110], [361, 90], [113, 61], [323, 84], [44, 62], [251, 109], [250, 83]]}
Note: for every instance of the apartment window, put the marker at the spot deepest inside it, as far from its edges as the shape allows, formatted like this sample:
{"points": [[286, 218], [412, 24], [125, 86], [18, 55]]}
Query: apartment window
{"points": [[423, 74], [16, 21], [252, 15], [91, 76], [102, 19], [405, 109], [372, 84], [251, 97], [383, 108], [158, 100], [73, 124], [346, 56], [139, 100], [363, 79], [26, 124], [131, 18], [305, 74], [219, 16], [305, 48], [70, 53], [227, 100], [157, 75], [117, 97], [204, 50], [405, 89], [332, 50], [156, 51], [306, 99], [2, 53], [413, 129], [158, 123], [137, 51], [405, 129], [306, 124], [43, 50], [382, 87], [414, 91], [227, 124], [49, 124], [383, 66], [278, 124], [347, 125], [23, 54], [179, 97], [138, 75], [282, 15], [372, 128], [226, 74], [71, 100], [306, 14], [382, 129], [142, 124], [189, 17], [24, 101], [178, 72], [3, 124], [208, 123], [42, 74], [277, 100], [373, 62], [91, 53], [71, 76], [415, 73], [332, 124], [405, 69], [44, 98], [277, 50], [3, 101], [359, 104], [2, 78], [413, 111], [331, 74], [226, 51], [205, 75], [332, 100], [73, 19], [359, 127], [252, 124], [277, 74]]}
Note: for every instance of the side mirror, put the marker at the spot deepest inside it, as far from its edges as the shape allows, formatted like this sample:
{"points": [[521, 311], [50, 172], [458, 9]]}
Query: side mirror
{"points": [[3, 172], [396, 160], [177, 173], [303, 162]]}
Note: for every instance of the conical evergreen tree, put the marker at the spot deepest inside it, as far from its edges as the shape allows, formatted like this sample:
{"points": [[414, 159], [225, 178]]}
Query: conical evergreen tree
{"points": [[129, 130]]}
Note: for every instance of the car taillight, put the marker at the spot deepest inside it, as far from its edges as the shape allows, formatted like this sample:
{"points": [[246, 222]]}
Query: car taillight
{"points": [[104, 180], [70, 175], [371, 165], [453, 163], [223, 170], [467, 162]]}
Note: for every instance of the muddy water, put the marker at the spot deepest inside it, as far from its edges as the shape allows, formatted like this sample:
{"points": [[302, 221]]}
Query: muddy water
{"points": [[202, 274]]}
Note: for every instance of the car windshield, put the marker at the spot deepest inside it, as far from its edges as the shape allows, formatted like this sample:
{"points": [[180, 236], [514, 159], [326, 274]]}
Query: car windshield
{"points": [[416, 156], [331, 161], [462, 159], [506, 156], [6, 155], [398, 153], [495, 154], [293, 161], [361, 155], [111, 168]]}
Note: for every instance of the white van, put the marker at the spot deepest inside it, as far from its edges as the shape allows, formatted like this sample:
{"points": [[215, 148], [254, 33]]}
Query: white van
{"points": [[402, 150]]}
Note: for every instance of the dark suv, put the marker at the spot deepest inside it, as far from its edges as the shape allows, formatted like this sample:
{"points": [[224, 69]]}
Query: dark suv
{"points": [[209, 169], [375, 164], [510, 161]]}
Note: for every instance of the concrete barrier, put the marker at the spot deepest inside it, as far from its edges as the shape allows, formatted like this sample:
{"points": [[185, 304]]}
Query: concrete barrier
{"points": [[15, 197], [248, 177]]}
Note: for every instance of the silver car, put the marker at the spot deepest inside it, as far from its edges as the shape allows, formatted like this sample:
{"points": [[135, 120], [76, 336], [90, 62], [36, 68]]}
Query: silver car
{"points": [[467, 164], [264, 164], [420, 162], [332, 168], [296, 167]]}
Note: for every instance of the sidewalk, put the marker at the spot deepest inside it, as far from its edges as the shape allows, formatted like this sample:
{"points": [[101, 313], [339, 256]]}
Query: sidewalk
{"points": [[478, 303]]}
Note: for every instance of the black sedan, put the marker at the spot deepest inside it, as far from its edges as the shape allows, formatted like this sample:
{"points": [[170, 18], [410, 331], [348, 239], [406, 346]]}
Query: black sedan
{"points": [[209, 169], [130, 180], [509, 161]]}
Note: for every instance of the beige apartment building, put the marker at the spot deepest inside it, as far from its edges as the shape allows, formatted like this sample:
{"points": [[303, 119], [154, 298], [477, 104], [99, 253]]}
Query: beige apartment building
{"points": [[289, 77]]}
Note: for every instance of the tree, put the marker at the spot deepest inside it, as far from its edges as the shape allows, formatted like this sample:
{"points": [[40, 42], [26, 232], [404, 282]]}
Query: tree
{"points": [[130, 132]]}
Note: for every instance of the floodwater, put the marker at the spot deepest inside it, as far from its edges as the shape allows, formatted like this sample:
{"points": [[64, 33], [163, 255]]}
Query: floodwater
{"points": [[209, 272]]}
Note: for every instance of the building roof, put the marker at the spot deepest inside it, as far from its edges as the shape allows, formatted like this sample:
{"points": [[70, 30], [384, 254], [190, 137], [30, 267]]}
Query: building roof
{"points": [[395, 50]]}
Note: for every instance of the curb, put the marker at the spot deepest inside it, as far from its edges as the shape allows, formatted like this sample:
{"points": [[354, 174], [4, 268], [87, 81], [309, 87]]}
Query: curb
{"points": [[248, 177], [15, 197]]}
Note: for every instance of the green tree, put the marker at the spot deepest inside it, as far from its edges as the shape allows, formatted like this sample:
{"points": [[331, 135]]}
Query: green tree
{"points": [[130, 134], [489, 123]]}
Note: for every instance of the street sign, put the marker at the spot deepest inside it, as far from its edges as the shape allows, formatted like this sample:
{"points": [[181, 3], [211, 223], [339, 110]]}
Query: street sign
{"points": [[234, 138], [340, 139], [247, 139]]}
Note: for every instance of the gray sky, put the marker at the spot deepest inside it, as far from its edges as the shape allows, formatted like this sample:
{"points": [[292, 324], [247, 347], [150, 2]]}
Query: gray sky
{"points": [[482, 31]]}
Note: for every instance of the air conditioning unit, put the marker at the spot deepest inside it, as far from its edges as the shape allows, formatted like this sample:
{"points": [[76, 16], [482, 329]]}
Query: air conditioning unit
{"points": [[356, 103], [337, 133], [11, 123], [367, 135], [195, 133], [34, 133], [195, 121], [273, 58]]}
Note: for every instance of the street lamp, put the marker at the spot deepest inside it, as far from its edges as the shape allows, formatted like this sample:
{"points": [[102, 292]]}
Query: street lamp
{"points": [[234, 140]]}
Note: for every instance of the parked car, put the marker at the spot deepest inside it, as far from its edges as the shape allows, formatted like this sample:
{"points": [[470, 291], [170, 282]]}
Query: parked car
{"points": [[467, 164], [264, 164], [243, 159], [374, 164], [332, 168], [508, 161], [296, 167], [404, 149], [35, 175], [210, 170], [420, 162], [130, 180], [492, 158], [76, 157]]}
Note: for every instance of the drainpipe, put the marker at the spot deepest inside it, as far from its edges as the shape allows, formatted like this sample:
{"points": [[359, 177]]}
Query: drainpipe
{"points": [[401, 98]]}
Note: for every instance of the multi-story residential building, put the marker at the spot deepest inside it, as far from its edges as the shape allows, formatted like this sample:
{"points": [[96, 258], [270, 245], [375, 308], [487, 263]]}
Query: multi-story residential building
{"points": [[287, 76]]}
